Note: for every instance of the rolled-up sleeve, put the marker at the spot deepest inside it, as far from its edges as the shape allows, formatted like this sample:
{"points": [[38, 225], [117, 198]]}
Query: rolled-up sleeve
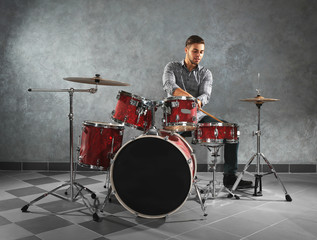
{"points": [[205, 88], [169, 80]]}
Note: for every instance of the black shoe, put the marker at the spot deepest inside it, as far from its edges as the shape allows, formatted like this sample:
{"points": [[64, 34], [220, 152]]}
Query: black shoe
{"points": [[230, 179]]}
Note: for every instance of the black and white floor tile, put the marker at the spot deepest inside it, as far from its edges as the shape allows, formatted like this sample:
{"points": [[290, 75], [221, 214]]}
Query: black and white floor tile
{"points": [[267, 217]]}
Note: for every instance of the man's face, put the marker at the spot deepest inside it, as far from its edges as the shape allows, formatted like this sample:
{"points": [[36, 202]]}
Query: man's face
{"points": [[195, 52]]}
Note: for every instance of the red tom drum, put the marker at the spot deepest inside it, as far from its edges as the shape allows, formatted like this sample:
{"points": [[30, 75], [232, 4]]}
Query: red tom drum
{"points": [[180, 113], [132, 111]]}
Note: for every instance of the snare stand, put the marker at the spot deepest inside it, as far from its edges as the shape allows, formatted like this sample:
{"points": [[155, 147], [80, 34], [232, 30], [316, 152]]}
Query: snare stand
{"points": [[72, 182], [211, 186]]}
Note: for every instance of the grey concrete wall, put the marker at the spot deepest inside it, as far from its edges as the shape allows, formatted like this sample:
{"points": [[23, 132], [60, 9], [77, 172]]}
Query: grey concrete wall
{"points": [[131, 41]]}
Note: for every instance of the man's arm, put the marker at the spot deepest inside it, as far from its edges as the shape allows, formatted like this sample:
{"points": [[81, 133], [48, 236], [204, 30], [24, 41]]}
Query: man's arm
{"points": [[181, 92]]}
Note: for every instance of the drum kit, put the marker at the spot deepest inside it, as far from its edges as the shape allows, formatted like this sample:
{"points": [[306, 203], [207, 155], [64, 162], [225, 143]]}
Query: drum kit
{"points": [[151, 175]]}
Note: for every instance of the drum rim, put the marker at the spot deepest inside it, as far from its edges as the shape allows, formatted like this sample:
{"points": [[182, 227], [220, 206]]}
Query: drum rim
{"points": [[103, 124], [180, 98], [218, 124], [132, 95], [190, 173], [128, 124], [183, 124], [89, 166]]}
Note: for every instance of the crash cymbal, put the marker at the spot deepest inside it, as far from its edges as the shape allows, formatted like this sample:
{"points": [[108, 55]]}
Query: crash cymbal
{"points": [[259, 100], [96, 80]]}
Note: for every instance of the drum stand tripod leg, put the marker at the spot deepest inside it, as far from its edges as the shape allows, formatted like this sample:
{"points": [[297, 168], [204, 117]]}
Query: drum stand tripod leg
{"points": [[201, 200], [211, 186], [258, 176], [108, 196], [72, 184]]}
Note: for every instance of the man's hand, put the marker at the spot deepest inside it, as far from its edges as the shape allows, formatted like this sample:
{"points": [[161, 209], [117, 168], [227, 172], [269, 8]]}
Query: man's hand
{"points": [[199, 103]]}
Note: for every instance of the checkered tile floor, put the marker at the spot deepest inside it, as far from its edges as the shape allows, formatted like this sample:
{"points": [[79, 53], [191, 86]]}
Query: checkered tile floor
{"points": [[266, 217]]}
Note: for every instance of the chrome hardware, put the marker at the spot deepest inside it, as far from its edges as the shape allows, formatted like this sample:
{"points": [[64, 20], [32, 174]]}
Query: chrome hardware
{"points": [[168, 110], [216, 132], [189, 161], [166, 138], [113, 112], [133, 102], [232, 133], [177, 118], [256, 133], [199, 132], [175, 104], [193, 104], [194, 119]]}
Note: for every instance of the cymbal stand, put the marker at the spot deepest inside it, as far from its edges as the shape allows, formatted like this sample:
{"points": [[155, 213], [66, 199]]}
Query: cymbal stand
{"points": [[258, 175], [71, 183], [210, 188]]}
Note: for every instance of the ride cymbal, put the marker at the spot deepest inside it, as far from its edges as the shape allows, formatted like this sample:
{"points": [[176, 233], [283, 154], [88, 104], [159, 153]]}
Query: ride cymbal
{"points": [[259, 99], [96, 80]]}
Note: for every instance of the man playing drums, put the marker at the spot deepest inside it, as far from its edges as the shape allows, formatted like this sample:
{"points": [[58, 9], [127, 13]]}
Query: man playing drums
{"points": [[188, 78]]}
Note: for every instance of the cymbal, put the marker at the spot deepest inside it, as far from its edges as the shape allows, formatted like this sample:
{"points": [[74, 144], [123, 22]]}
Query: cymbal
{"points": [[259, 99], [96, 80]]}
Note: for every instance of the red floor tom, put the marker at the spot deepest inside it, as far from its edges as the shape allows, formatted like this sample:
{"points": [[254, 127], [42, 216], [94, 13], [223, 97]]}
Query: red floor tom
{"points": [[99, 142]]}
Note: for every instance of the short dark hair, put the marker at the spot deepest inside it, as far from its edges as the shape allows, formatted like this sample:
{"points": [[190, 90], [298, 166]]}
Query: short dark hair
{"points": [[194, 39]]}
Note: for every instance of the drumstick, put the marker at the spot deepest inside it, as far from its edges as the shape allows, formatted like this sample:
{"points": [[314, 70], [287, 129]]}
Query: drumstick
{"points": [[210, 115]]}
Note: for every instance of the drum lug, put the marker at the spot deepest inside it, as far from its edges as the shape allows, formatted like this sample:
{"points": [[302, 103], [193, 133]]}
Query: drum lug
{"points": [[189, 161], [232, 133], [193, 105], [133, 102], [177, 118], [166, 138], [216, 132], [121, 133], [199, 133], [101, 130], [175, 104]]}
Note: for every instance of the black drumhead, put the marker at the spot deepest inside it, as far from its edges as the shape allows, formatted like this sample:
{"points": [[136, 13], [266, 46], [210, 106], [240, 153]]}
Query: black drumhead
{"points": [[151, 176]]}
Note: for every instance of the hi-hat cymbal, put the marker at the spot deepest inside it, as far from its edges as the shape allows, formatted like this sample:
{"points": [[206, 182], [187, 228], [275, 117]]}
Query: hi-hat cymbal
{"points": [[96, 80], [259, 100]]}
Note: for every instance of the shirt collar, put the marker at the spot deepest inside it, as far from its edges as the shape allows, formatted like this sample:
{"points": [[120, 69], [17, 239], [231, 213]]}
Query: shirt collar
{"points": [[199, 67]]}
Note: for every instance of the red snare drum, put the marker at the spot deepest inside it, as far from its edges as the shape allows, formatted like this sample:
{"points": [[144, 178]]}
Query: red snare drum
{"points": [[152, 175], [132, 111], [216, 133], [99, 142], [180, 114]]}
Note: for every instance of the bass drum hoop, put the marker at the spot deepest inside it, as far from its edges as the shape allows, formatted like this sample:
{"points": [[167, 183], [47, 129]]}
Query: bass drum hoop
{"points": [[191, 174]]}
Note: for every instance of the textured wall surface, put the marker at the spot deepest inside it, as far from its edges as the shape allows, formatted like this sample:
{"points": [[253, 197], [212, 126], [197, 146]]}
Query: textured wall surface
{"points": [[131, 41]]}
